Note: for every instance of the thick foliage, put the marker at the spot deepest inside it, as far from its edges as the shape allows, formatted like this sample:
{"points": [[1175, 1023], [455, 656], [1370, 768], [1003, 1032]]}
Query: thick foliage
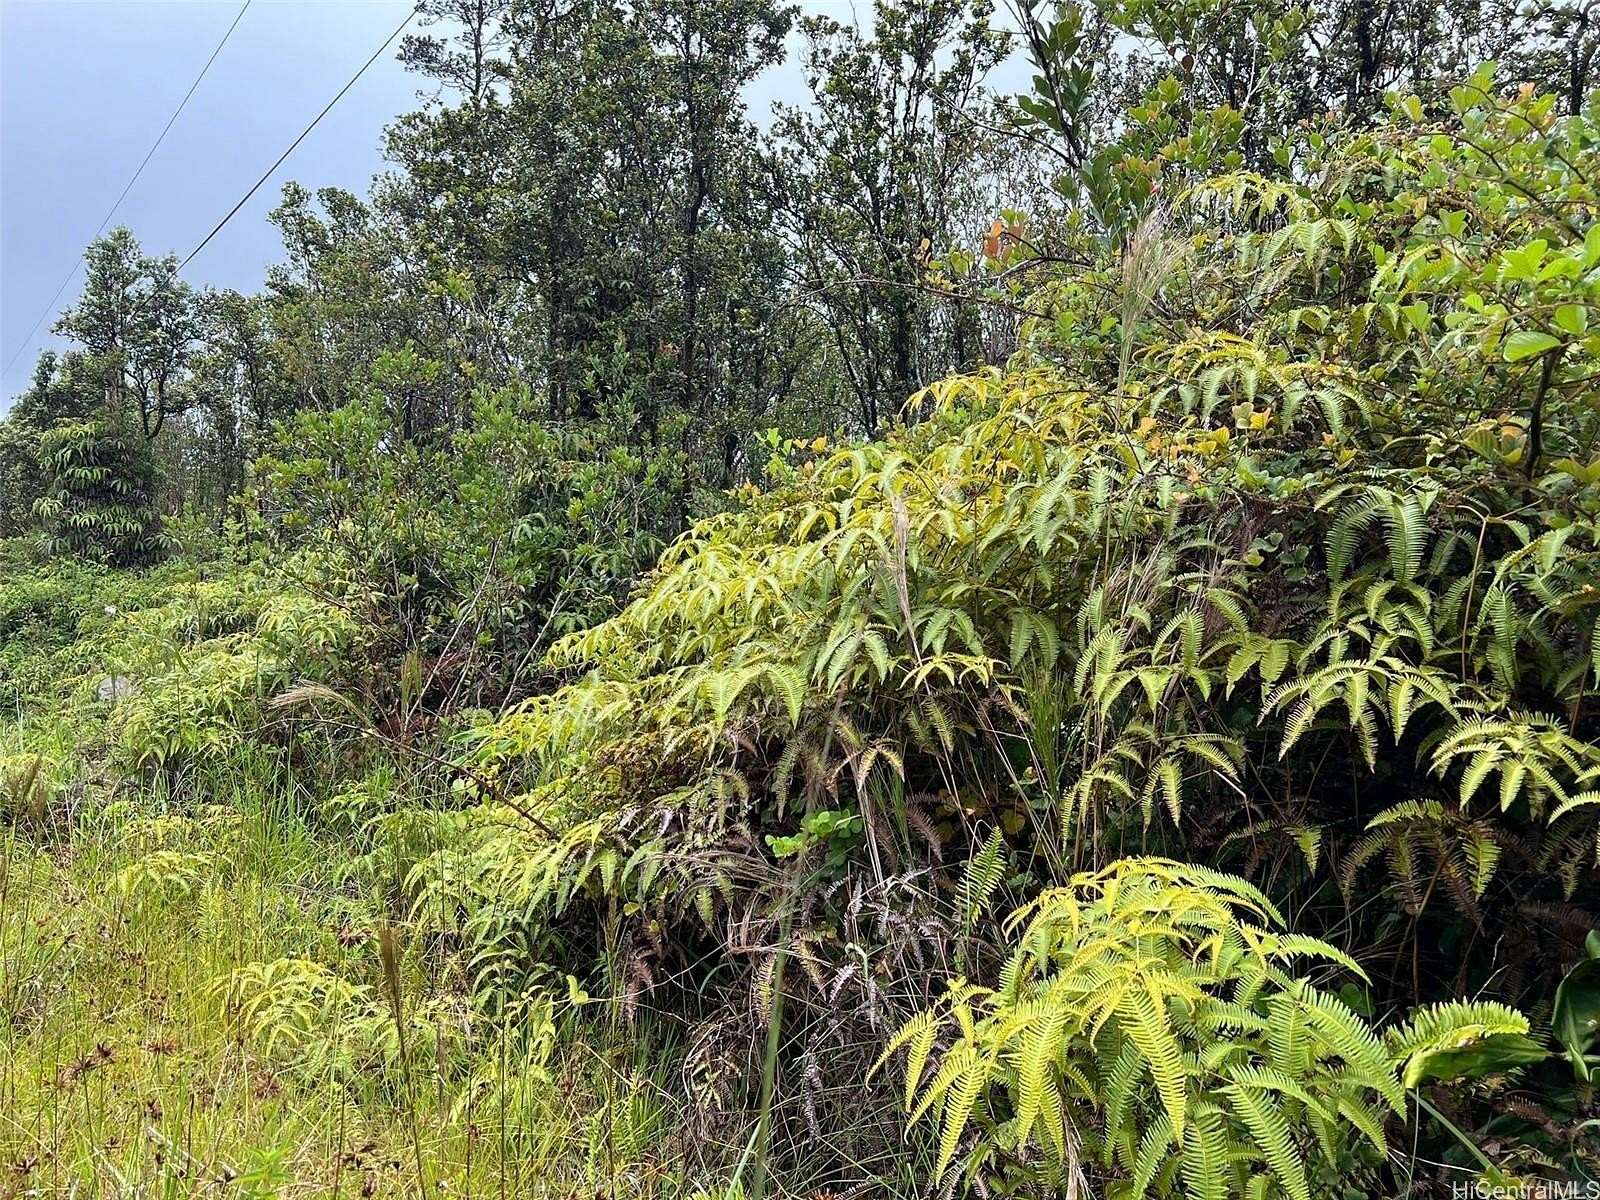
{"points": [[1276, 546], [200, 669], [99, 492], [162, 670], [1151, 1020]]}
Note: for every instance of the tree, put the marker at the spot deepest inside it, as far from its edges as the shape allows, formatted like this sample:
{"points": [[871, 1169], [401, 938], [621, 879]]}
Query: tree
{"points": [[99, 494], [469, 60], [887, 168], [601, 198], [239, 389], [137, 322], [64, 389], [1127, 89], [356, 285]]}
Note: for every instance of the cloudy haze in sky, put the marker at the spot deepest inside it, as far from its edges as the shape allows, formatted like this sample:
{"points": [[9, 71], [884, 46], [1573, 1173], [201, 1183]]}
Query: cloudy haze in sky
{"points": [[85, 87]]}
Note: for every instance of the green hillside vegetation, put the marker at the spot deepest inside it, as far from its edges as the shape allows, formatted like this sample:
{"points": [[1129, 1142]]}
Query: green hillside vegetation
{"points": [[1099, 706]]}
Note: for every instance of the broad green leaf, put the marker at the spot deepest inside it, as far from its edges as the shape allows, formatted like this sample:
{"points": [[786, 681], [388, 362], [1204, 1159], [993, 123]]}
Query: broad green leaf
{"points": [[1526, 343]]}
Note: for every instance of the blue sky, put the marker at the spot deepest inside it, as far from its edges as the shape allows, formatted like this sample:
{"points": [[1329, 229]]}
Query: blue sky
{"points": [[86, 85]]}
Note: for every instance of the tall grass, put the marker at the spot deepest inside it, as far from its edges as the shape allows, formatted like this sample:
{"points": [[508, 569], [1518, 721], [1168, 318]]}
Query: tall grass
{"points": [[125, 1069]]}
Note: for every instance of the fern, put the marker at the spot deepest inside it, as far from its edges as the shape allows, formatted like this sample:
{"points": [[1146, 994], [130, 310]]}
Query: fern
{"points": [[983, 875], [1137, 966]]}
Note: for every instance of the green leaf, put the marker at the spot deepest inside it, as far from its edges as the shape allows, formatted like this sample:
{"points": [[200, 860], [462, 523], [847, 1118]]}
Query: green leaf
{"points": [[1574, 318], [1576, 1018], [1526, 343], [1487, 1056], [1524, 263]]}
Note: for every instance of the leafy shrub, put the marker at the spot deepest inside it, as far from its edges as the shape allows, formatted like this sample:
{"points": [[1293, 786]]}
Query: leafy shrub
{"points": [[1284, 558], [202, 667], [50, 611], [99, 494], [163, 876], [511, 528], [307, 1017]]}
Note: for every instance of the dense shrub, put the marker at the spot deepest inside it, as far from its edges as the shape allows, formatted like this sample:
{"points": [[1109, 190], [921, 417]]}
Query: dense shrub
{"points": [[1275, 548], [50, 612], [99, 494], [473, 548]]}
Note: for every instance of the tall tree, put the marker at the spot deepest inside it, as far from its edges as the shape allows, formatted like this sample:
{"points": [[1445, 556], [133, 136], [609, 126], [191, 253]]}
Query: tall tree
{"points": [[1125, 85], [61, 390], [599, 201], [138, 324], [886, 167]]}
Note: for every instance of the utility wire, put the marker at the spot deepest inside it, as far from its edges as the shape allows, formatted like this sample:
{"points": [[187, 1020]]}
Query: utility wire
{"points": [[128, 187], [267, 174]]}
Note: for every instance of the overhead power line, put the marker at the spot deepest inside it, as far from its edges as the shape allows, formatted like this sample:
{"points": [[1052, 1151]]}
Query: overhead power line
{"points": [[304, 133], [128, 187], [267, 174]]}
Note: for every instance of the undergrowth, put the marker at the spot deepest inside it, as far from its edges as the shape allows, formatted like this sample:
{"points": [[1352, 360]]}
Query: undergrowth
{"points": [[1182, 735], [208, 982], [197, 992]]}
